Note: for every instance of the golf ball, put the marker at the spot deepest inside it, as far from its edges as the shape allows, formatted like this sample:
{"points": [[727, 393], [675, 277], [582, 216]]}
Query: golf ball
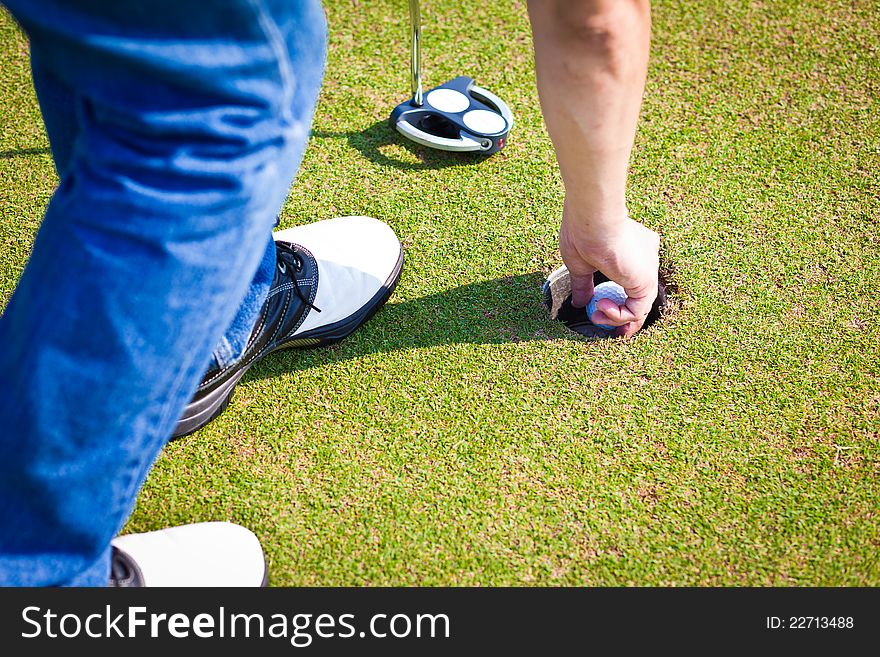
{"points": [[607, 290]]}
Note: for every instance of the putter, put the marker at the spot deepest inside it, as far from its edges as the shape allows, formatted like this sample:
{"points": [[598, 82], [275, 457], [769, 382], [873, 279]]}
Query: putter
{"points": [[456, 116]]}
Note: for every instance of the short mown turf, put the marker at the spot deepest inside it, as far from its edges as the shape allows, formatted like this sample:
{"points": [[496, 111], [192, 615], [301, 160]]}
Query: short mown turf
{"points": [[461, 438]]}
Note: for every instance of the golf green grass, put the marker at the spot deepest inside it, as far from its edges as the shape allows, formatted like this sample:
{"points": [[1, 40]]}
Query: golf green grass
{"points": [[461, 438]]}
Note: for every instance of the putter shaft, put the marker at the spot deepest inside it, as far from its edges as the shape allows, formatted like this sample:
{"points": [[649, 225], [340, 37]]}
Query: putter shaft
{"points": [[416, 67]]}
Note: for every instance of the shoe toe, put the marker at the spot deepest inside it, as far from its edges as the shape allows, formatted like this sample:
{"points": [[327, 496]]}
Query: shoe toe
{"points": [[201, 554], [358, 258]]}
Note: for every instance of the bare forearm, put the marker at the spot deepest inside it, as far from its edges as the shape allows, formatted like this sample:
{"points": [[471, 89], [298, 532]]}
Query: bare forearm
{"points": [[591, 59]]}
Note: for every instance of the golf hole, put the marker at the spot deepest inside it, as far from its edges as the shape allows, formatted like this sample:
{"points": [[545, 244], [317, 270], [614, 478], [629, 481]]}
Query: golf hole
{"points": [[557, 300]]}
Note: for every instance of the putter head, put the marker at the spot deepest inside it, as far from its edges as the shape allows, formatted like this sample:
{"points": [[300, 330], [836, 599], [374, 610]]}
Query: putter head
{"points": [[456, 116]]}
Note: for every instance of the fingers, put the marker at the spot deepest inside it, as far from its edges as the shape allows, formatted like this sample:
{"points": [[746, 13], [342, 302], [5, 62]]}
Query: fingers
{"points": [[616, 315], [633, 310], [629, 318], [637, 306], [628, 330], [581, 289], [601, 319], [625, 331]]}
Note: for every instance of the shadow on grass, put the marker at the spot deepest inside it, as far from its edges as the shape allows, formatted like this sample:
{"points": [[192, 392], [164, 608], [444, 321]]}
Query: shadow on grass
{"points": [[371, 142], [499, 311], [22, 152]]}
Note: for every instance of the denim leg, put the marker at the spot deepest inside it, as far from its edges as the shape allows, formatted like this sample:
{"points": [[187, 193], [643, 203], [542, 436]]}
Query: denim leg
{"points": [[190, 119], [234, 340], [58, 107]]}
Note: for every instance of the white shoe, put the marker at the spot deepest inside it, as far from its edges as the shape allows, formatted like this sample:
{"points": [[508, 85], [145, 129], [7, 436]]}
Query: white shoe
{"points": [[331, 277], [201, 554], [359, 260]]}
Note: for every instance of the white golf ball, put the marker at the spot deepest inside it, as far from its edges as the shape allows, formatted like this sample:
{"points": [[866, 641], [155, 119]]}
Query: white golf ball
{"points": [[607, 290]]}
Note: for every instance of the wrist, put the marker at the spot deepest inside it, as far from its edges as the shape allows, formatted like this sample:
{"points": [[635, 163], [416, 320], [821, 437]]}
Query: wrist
{"points": [[595, 225]]}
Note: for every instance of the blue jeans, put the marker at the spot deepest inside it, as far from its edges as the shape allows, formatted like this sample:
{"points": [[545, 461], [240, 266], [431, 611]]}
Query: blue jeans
{"points": [[176, 128]]}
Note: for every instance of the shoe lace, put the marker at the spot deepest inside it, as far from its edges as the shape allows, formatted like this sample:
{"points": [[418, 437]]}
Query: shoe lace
{"points": [[287, 255]]}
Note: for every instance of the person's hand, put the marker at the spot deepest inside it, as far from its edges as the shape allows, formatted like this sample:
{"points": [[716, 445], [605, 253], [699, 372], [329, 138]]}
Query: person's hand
{"points": [[626, 252]]}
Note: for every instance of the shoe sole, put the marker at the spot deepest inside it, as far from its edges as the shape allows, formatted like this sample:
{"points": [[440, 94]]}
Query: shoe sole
{"points": [[209, 407]]}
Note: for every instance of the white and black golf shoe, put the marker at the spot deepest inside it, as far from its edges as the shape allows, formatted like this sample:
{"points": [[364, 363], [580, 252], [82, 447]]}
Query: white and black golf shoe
{"points": [[201, 554], [331, 277]]}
